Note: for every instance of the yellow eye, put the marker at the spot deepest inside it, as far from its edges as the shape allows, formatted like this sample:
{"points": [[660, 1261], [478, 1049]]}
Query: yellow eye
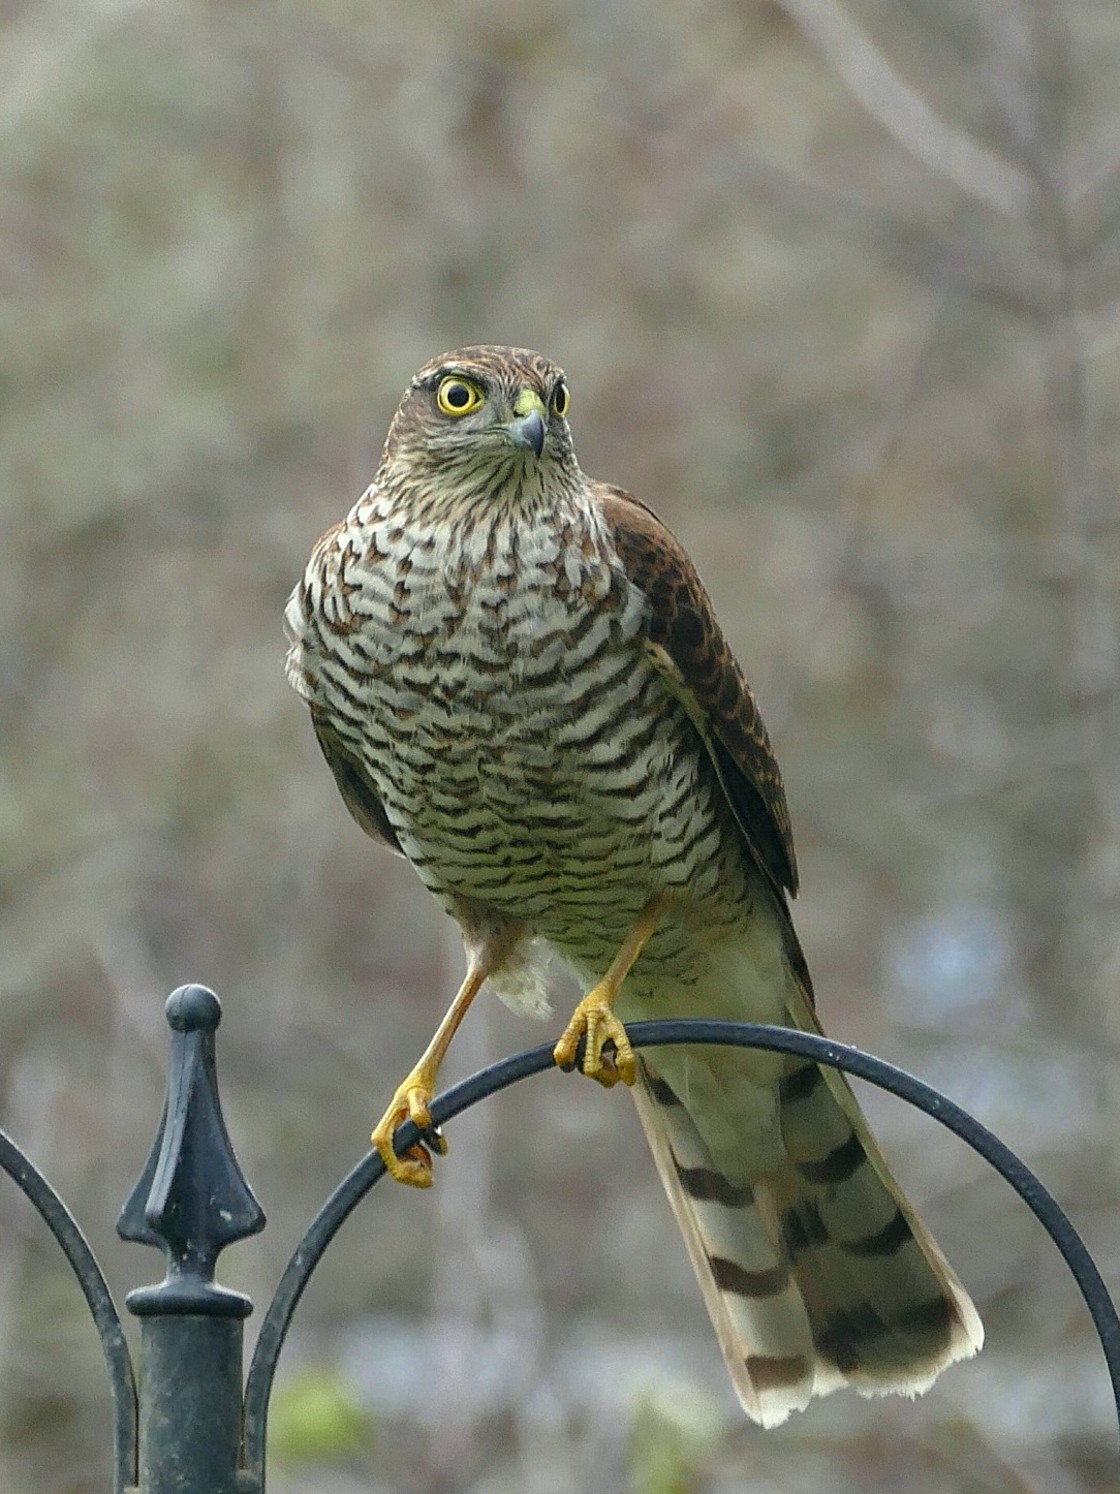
{"points": [[560, 400], [457, 396]]}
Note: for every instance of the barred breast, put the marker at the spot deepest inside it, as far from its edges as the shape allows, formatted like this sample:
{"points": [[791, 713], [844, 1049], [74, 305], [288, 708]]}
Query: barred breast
{"points": [[491, 680]]}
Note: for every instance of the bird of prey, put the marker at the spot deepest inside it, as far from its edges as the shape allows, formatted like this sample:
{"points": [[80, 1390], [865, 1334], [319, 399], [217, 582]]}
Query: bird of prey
{"points": [[519, 683]]}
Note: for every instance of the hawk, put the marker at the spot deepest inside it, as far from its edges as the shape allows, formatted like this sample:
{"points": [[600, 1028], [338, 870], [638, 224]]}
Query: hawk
{"points": [[519, 683]]}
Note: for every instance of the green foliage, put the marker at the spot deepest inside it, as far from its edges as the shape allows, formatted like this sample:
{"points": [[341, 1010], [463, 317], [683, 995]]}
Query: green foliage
{"points": [[315, 1418], [676, 1426]]}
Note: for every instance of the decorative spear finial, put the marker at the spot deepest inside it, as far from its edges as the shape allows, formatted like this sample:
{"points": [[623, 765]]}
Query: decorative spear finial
{"points": [[191, 1198]]}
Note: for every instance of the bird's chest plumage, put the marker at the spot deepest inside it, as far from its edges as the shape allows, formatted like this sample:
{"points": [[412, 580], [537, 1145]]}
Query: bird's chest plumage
{"points": [[496, 687], [495, 667]]}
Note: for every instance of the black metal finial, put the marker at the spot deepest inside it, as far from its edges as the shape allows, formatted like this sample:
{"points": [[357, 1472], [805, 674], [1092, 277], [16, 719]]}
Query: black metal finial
{"points": [[193, 1431], [191, 1198]]}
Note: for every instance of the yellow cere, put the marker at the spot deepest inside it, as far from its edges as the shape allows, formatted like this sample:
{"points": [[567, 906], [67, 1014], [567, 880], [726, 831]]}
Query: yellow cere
{"points": [[528, 401]]}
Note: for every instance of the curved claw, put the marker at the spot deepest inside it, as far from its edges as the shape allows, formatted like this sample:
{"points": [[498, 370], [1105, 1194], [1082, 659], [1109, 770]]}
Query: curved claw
{"points": [[594, 1021], [410, 1103]]}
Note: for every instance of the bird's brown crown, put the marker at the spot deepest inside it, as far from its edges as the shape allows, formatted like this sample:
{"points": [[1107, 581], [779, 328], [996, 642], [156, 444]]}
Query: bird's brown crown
{"points": [[502, 368]]}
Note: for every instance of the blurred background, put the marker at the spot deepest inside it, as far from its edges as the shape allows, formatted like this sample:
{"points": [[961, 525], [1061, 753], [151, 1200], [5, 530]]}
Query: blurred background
{"points": [[836, 284]]}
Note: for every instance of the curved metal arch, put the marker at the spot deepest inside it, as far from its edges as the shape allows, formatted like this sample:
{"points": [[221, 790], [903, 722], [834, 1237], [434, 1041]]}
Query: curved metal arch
{"points": [[66, 1230], [499, 1076]]}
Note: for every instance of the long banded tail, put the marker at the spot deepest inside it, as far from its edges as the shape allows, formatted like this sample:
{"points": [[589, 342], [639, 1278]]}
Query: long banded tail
{"points": [[815, 1270]]}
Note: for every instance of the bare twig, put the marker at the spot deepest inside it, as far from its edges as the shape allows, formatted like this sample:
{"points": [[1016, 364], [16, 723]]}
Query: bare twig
{"points": [[1092, 648], [903, 111]]}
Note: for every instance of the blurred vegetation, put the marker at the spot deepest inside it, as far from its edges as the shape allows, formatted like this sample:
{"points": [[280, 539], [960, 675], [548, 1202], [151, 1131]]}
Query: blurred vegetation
{"points": [[673, 1429], [315, 1418], [837, 287]]}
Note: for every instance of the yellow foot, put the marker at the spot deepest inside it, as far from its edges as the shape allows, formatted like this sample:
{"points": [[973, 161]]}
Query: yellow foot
{"points": [[411, 1102], [594, 1019]]}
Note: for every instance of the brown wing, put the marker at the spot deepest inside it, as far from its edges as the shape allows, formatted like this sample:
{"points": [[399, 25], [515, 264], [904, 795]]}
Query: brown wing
{"points": [[358, 793], [702, 672]]}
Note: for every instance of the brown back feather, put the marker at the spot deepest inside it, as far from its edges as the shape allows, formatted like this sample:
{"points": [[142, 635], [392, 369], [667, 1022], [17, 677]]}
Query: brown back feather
{"points": [[682, 622]]}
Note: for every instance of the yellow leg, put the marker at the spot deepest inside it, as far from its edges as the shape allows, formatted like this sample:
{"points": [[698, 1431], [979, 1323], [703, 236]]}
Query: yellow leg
{"points": [[414, 1094], [594, 1016]]}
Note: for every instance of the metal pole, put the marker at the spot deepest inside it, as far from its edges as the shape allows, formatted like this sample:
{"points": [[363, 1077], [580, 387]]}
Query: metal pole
{"points": [[198, 1434], [192, 1201], [190, 1404]]}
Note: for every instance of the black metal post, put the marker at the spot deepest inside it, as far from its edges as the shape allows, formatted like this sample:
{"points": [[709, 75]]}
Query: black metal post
{"points": [[197, 1433], [190, 1404], [192, 1201]]}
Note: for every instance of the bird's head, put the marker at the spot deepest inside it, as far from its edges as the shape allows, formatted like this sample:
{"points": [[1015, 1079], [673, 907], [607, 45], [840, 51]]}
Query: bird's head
{"points": [[484, 416]]}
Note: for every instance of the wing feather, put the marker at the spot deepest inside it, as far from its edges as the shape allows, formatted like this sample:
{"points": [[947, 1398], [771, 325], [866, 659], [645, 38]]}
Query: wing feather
{"points": [[699, 668], [358, 793]]}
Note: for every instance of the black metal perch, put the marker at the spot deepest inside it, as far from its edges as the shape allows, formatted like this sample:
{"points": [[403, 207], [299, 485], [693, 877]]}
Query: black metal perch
{"points": [[190, 1430]]}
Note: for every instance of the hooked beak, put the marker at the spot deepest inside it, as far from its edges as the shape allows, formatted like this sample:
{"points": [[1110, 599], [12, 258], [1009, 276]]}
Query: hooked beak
{"points": [[528, 429]]}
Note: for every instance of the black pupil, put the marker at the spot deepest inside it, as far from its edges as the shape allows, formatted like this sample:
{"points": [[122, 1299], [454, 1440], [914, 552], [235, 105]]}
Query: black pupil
{"points": [[457, 396], [560, 399]]}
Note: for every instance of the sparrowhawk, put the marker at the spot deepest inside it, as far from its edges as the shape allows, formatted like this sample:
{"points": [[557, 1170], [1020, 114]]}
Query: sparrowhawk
{"points": [[519, 683]]}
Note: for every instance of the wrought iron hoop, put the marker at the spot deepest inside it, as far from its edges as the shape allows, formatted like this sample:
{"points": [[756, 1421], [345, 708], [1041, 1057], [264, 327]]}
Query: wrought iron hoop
{"points": [[499, 1076], [66, 1230]]}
